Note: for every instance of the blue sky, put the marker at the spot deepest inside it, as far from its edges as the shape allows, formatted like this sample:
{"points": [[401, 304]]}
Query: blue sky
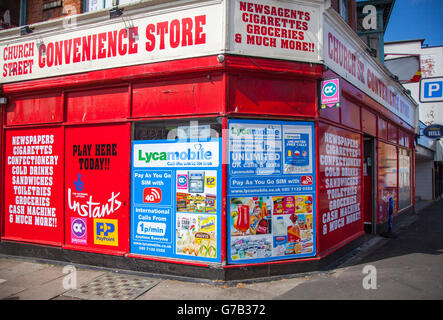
{"points": [[416, 19]]}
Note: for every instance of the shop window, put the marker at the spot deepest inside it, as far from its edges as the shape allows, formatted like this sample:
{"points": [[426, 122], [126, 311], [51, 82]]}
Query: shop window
{"points": [[200, 130], [93, 5], [177, 189], [387, 179], [404, 178], [10, 11]]}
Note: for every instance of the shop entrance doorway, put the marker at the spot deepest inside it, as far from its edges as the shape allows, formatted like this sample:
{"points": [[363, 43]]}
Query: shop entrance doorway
{"points": [[369, 183]]}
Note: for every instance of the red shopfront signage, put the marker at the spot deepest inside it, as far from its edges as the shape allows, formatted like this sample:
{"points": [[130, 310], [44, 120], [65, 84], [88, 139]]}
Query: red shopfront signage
{"points": [[348, 59], [340, 177], [34, 185], [192, 32], [96, 188]]}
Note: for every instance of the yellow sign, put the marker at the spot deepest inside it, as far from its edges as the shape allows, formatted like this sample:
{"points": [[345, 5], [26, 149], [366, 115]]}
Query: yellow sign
{"points": [[210, 182], [106, 232]]}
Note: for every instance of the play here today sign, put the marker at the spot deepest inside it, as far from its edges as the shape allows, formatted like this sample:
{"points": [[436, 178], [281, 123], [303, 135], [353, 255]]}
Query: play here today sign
{"points": [[274, 29]]}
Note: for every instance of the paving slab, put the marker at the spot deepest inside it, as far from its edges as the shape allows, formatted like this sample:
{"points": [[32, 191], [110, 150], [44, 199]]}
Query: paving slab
{"points": [[179, 290], [19, 268], [36, 277], [112, 286], [7, 291]]}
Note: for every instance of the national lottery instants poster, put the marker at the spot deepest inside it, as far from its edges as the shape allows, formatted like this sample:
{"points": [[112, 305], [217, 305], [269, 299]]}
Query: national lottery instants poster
{"points": [[96, 192], [176, 199], [271, 190]]}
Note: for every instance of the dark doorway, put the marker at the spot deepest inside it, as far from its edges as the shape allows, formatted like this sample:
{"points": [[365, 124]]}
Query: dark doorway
{"points": [[369, 184]]}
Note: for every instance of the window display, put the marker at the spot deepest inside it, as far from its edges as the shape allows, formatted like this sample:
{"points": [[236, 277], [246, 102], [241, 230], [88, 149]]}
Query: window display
{"points": [[387, 179], [271, 190], [176, 190], [404, 178]]}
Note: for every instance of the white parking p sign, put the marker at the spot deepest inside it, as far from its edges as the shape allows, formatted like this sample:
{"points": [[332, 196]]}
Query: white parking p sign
{"points": [[431, 89]]}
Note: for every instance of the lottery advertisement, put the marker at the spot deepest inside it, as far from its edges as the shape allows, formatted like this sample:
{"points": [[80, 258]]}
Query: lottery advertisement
{"points": [[97, 196], [271, 190], [176, 207]]}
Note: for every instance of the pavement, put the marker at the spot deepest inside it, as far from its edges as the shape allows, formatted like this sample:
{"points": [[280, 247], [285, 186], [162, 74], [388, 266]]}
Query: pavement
{"points": [[408, 266]]}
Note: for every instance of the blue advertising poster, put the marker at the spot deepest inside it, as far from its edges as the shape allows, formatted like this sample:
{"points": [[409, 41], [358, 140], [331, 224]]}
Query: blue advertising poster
{"points": [[176, 206], [271, 190]]}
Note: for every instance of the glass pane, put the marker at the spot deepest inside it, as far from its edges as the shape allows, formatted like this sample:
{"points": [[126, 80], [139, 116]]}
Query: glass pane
{"points": [[387, 179], [404, 179]]}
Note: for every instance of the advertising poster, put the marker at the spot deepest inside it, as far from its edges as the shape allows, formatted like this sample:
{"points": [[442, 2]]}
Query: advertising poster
{"points": [[96, 193], [176, 206], [340, 179], [271, 190], [33, 185]]}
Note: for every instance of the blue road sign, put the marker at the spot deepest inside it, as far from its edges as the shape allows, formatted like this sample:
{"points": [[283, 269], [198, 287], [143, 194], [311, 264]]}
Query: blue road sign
{"points": [[431, 89]]}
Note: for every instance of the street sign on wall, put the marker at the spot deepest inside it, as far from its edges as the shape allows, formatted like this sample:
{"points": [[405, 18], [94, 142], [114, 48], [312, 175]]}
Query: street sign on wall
{"points": [[431, 89]]}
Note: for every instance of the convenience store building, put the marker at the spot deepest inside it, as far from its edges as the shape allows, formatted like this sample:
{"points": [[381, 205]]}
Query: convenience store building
{"points": [[214, 139]]}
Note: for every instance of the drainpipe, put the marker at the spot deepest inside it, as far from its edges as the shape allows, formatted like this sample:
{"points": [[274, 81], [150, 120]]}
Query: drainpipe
{"points": [[22, 12]]}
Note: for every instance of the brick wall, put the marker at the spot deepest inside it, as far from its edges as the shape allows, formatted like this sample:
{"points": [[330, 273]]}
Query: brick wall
{"points": [[35, 13]]}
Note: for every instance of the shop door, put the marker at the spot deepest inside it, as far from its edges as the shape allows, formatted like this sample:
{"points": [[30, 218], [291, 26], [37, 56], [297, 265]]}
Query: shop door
{"points": [[369, 184]]}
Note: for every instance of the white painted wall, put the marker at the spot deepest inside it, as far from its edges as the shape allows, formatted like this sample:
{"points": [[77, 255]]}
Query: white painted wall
{"points": [[431, 60]]}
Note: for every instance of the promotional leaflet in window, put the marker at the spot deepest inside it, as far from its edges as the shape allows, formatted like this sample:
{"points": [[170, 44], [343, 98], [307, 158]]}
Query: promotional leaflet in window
{"points": [[176, 207], [271, 190]]}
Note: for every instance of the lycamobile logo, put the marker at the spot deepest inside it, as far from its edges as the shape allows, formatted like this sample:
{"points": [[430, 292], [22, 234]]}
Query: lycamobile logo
{"points": [[255, 132], [198, 153]]}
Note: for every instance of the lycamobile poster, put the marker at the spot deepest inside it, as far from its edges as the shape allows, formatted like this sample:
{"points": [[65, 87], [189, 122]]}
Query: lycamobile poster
{"points": [[176, 207], [271, 190]]}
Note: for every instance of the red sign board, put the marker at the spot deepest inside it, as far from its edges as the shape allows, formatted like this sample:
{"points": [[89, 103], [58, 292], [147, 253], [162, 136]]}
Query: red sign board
{"points": [[152, 195], [96, 188], [340, 176], [34, 185]]}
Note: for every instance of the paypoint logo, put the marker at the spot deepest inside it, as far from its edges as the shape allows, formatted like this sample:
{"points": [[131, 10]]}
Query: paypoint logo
{"points": [[106, 232]]}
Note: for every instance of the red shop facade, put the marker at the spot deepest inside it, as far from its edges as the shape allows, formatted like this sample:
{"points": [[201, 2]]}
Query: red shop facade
{"points": [[142, 146]]}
